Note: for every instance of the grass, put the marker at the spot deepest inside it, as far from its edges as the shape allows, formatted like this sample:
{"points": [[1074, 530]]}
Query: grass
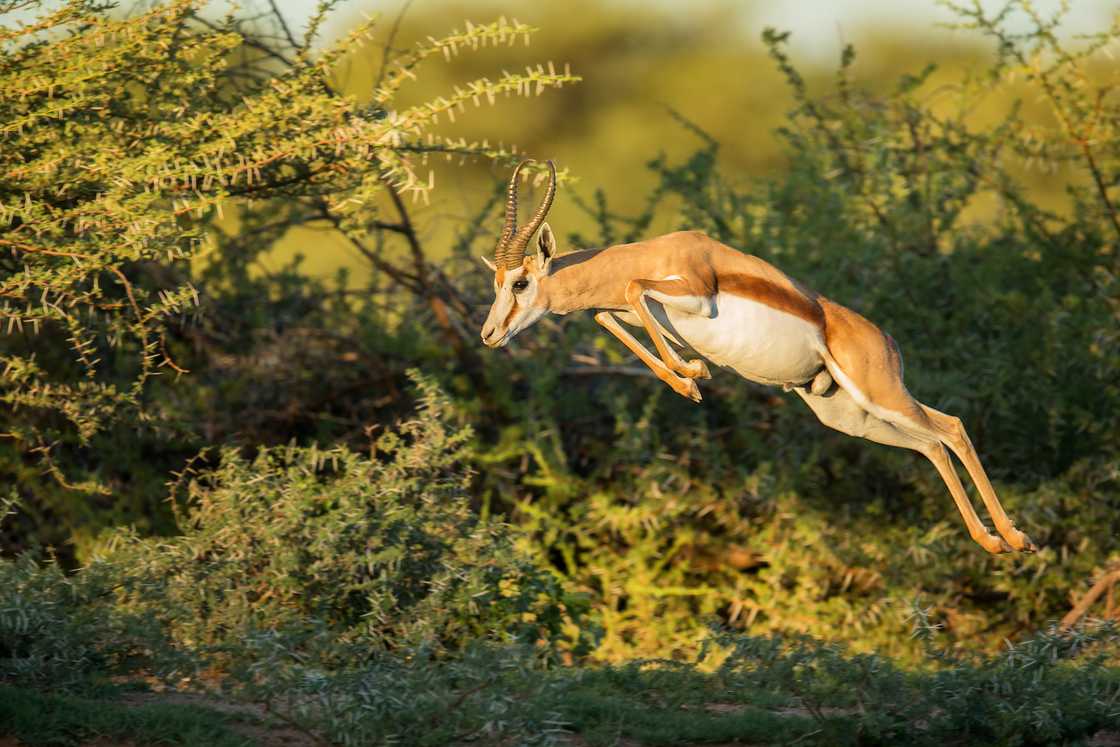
{"points": [[643, 704], [673, 706], [43, 719], [602, 720]]}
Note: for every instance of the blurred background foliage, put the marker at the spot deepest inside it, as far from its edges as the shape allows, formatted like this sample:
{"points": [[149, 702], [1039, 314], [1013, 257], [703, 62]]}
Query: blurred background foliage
{"points": [[704, 61], [981, 235]]}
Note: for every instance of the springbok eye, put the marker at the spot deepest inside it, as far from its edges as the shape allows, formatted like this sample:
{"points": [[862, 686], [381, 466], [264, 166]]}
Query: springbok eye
{"points": [[520, 285]]}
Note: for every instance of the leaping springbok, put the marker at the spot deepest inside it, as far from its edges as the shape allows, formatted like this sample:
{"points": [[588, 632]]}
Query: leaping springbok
{"points": [[741, 312]]}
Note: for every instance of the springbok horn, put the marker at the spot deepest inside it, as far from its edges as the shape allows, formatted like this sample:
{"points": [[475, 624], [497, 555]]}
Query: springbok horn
{"points": [[502, 249], [520, 240]]}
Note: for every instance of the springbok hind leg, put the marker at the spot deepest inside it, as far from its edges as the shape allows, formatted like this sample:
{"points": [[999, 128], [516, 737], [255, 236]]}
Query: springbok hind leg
{"points": [[864, 359], [838, 410], [953, 434]]}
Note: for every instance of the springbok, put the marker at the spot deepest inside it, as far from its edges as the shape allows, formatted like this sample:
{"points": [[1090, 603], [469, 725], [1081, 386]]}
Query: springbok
{"points": [[737, 311]]}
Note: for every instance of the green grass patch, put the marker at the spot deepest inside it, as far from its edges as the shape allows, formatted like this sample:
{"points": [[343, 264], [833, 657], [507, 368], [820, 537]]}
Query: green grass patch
{"points": [[37, 718], [602, 719]]}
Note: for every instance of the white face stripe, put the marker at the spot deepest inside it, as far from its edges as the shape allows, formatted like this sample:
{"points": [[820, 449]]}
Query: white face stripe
{"points": [[512, 311]]}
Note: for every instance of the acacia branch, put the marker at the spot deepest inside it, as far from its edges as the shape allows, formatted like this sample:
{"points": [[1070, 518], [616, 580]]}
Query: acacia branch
{"points": [[1102, 188], [32, 249], [408, 231], [131, 298], [387, 50], [248, 40], [405, 279]]}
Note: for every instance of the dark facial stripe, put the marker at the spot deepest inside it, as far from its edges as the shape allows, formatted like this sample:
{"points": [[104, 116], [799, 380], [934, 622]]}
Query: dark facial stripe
{"points": [[509, 316]]}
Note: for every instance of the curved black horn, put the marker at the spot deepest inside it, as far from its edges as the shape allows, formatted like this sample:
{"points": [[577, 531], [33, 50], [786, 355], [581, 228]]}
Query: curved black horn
{"points": [[521, 238], [510, 226]]}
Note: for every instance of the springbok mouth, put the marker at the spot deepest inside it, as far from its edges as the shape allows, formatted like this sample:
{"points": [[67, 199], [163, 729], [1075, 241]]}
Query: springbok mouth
{"points": [[500, 342]]}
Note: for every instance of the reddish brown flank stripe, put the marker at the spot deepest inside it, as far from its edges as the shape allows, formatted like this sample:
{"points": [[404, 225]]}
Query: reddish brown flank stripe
{"points": [[775, 296]]}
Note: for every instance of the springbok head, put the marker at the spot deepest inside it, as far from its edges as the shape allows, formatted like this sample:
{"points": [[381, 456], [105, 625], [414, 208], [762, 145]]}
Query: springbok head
{"points": [[518, 300]]}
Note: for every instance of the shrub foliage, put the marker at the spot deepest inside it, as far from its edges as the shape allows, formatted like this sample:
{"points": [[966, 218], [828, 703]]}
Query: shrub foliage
{"points": [[382, 565], [359, 555]]}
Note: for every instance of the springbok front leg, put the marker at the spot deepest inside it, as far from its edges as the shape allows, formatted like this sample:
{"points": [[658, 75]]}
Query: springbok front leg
{"points": [[673, 294], [682, 386]]}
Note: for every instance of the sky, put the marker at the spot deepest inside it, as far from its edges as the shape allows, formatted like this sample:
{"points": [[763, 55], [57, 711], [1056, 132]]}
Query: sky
{"points": [[820, 27]]}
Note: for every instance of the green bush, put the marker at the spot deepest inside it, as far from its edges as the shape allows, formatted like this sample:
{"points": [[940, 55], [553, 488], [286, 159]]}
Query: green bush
{"points": [[361, 599], [60, 631], [1049, 689], [342, 555], [36, 718]]}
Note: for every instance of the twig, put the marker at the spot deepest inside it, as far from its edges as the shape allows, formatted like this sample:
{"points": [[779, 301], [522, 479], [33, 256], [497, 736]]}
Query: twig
{"points": [[466, 694], [408, 231], [1107, 581], [167, 359], [248, 40], [806, 736], [283, 25], [388, 48], [131, 298], [1102, 188], [293, 723], [409, 281], [32, 249]]}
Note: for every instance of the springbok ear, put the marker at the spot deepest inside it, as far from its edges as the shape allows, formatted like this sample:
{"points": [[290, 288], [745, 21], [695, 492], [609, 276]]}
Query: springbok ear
{"points": [[493, 267], [546, 244]]}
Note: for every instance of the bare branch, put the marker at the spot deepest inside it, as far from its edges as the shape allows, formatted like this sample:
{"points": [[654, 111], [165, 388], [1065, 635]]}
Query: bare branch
{"points": [[1105, 582], [387, 50], [284, 25]]}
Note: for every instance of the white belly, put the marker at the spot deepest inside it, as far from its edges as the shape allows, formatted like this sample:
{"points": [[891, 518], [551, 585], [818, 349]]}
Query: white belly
{"points": [[759, 342]]}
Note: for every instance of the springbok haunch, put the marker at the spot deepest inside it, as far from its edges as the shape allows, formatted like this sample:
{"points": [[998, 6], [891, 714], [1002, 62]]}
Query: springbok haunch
{"points": [[743, 313]]}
